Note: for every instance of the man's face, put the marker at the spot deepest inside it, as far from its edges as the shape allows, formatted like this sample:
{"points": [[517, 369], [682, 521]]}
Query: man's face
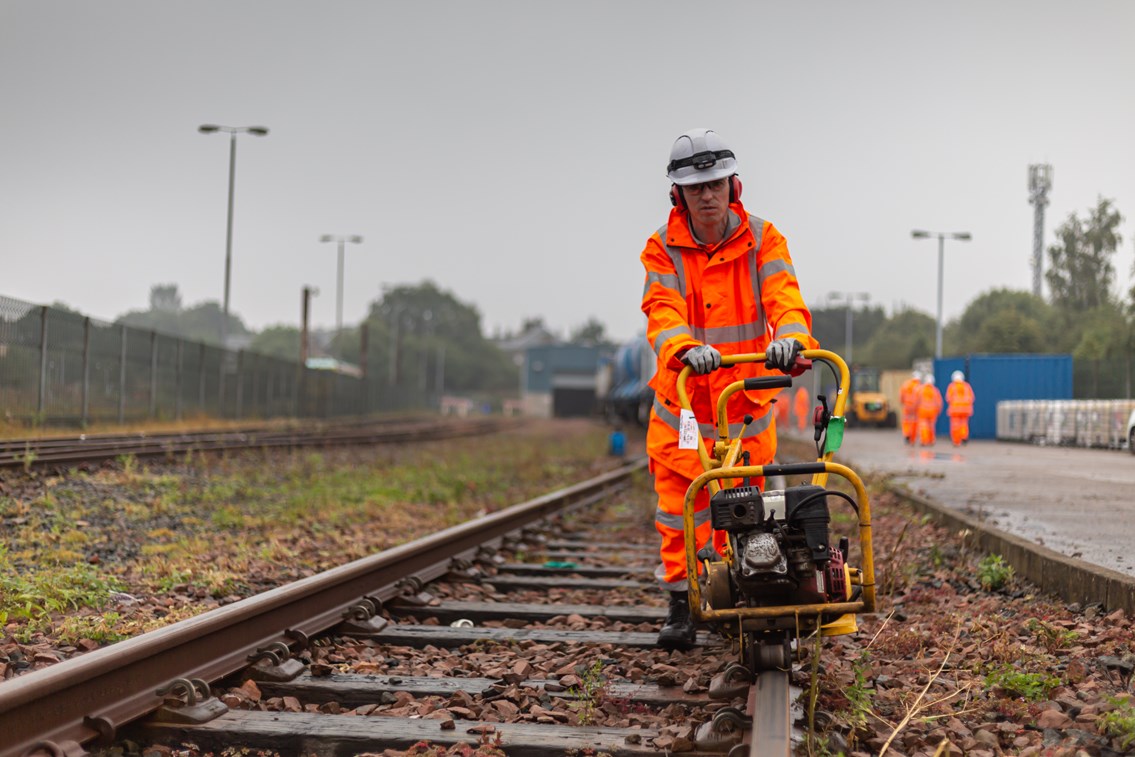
{"points": [[709, 202]]}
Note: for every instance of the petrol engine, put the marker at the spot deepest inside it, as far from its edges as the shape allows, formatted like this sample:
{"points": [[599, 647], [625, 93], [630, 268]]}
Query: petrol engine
{"points": [[781, 552]]}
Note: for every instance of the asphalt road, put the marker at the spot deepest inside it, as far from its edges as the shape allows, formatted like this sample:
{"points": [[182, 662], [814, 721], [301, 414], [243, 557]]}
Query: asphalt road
{"points": [[1078, 502]]}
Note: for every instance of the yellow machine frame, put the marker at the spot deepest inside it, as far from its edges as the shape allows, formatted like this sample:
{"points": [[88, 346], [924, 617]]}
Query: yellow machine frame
{"points": [[724, 466]]}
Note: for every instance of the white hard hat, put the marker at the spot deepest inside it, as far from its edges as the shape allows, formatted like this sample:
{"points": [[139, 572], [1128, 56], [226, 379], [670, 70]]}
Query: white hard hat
{"points": [[699, 156], [928, 379], [957, 376]]}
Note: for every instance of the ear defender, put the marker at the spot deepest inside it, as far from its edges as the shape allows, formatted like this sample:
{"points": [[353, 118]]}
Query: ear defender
{"points": [[676, 198], [734, 188]]}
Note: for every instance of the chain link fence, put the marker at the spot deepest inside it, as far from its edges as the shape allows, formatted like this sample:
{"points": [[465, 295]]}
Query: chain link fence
{"points": [[59, 367]]}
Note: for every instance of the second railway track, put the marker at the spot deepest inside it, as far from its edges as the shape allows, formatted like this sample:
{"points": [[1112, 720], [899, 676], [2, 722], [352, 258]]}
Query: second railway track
{"points": [[71, 450], [540, 638]]}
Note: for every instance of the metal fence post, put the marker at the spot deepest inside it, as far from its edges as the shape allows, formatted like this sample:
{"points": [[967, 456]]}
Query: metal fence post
{"points": [[122, 380], [201, 380], [239, 383], [41, 402], [86, 371], [221, 383], [153, 374], [178, 380], [364, 384]]}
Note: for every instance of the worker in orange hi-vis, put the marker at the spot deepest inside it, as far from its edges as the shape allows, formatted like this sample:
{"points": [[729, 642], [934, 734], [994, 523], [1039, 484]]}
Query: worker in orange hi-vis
{"points": [[802, 408], [959, 406], [908, 398], [781, 409], [929, 406]]}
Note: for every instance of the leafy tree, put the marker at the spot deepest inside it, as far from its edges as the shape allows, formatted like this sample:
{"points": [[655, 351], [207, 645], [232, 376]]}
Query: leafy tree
{"points": [[592, 333], [417, 333], [905, 337], [165, 298], [278, 341], [829, 326], [200, 323], [1011, 332], [1002, 320], [1080, 274]]}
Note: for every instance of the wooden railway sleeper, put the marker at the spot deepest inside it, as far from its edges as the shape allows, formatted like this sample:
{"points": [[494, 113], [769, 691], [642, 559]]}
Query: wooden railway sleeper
{"points": [[274, 663], [182, 704]]}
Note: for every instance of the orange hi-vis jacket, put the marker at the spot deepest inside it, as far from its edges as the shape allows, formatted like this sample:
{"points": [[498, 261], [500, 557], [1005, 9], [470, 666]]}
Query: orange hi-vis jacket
{"points": [[908, 397], [736, 295], [929, 401], [959, 399]]}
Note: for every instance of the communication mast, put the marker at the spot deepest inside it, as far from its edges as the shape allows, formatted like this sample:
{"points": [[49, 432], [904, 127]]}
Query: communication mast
{"points": [[1040, 181]]}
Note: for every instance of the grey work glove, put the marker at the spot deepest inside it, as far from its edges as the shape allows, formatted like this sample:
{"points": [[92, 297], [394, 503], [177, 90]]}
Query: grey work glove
{"points": [[781, 354], [703, 358]]}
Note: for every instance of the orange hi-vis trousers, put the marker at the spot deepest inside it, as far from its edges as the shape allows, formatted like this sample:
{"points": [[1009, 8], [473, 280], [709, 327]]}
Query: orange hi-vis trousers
{"points": [[671, 489], [959, 429], [926, 435]]}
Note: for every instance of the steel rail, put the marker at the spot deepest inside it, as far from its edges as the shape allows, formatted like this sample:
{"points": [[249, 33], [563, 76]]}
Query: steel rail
{"points": [[770, 708], [20, 445], [84, 450], [91, 697]]}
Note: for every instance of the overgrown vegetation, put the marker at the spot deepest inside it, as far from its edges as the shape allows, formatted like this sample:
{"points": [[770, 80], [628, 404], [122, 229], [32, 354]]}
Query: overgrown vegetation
{"points": [[223, 528]]}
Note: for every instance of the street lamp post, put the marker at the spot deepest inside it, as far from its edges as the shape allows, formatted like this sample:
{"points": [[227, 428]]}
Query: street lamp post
{"points": [[232, 131], [339, 290], [961, 235], [848, 299]]}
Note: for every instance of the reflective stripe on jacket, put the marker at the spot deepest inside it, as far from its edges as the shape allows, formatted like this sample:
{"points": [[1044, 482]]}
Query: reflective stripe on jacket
{"points": [[737, 295]]}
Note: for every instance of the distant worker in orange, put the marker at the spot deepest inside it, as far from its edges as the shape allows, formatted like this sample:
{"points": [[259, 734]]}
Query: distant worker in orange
{"points": [[959, 406], [929, 406], [780, 408], [908, 398], [802, 408]]}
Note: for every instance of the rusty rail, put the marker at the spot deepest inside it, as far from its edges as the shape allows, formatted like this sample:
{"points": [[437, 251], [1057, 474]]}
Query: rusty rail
{"points": [[73, 450], [89, 698]]}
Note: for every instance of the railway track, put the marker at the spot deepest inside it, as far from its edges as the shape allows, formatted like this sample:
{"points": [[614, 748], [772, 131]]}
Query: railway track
{"points": [[71, 450], [532, 628]]}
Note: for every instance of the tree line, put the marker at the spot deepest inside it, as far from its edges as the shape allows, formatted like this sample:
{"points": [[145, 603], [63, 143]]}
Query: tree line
{"points": [[1085, 314], [425, 335]]}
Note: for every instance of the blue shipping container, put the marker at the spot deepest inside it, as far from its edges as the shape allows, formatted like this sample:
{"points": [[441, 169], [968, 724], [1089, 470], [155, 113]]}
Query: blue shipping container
{"points": [[1002, 377]]}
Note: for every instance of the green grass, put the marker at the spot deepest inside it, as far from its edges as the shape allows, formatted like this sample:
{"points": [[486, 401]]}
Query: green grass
{"points": [[232, 523], [1032, 687]]}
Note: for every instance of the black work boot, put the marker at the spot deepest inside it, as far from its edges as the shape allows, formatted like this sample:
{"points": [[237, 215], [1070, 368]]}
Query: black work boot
{"points": [[678, 630]]}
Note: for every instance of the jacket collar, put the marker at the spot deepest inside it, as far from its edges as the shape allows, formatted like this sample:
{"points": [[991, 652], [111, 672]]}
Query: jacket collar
{"points": [[678, 233]]}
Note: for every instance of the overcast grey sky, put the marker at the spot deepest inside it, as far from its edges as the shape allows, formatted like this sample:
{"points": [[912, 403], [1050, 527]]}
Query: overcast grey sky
{"points": [[514, 152]]}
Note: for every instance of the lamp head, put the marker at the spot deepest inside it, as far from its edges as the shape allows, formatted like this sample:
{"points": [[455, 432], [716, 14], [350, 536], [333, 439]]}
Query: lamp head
{"points": [[918, 234], [208, 128], [962, 235], [326, 238], [356, 239], [260, 131]]}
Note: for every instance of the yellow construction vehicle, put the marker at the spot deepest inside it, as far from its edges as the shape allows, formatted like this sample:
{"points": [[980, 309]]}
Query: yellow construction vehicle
{"points": [[867, 405]]}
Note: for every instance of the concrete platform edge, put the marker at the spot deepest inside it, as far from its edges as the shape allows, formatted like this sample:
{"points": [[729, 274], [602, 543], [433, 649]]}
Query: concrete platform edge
{"points": [[1070, 579]]}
